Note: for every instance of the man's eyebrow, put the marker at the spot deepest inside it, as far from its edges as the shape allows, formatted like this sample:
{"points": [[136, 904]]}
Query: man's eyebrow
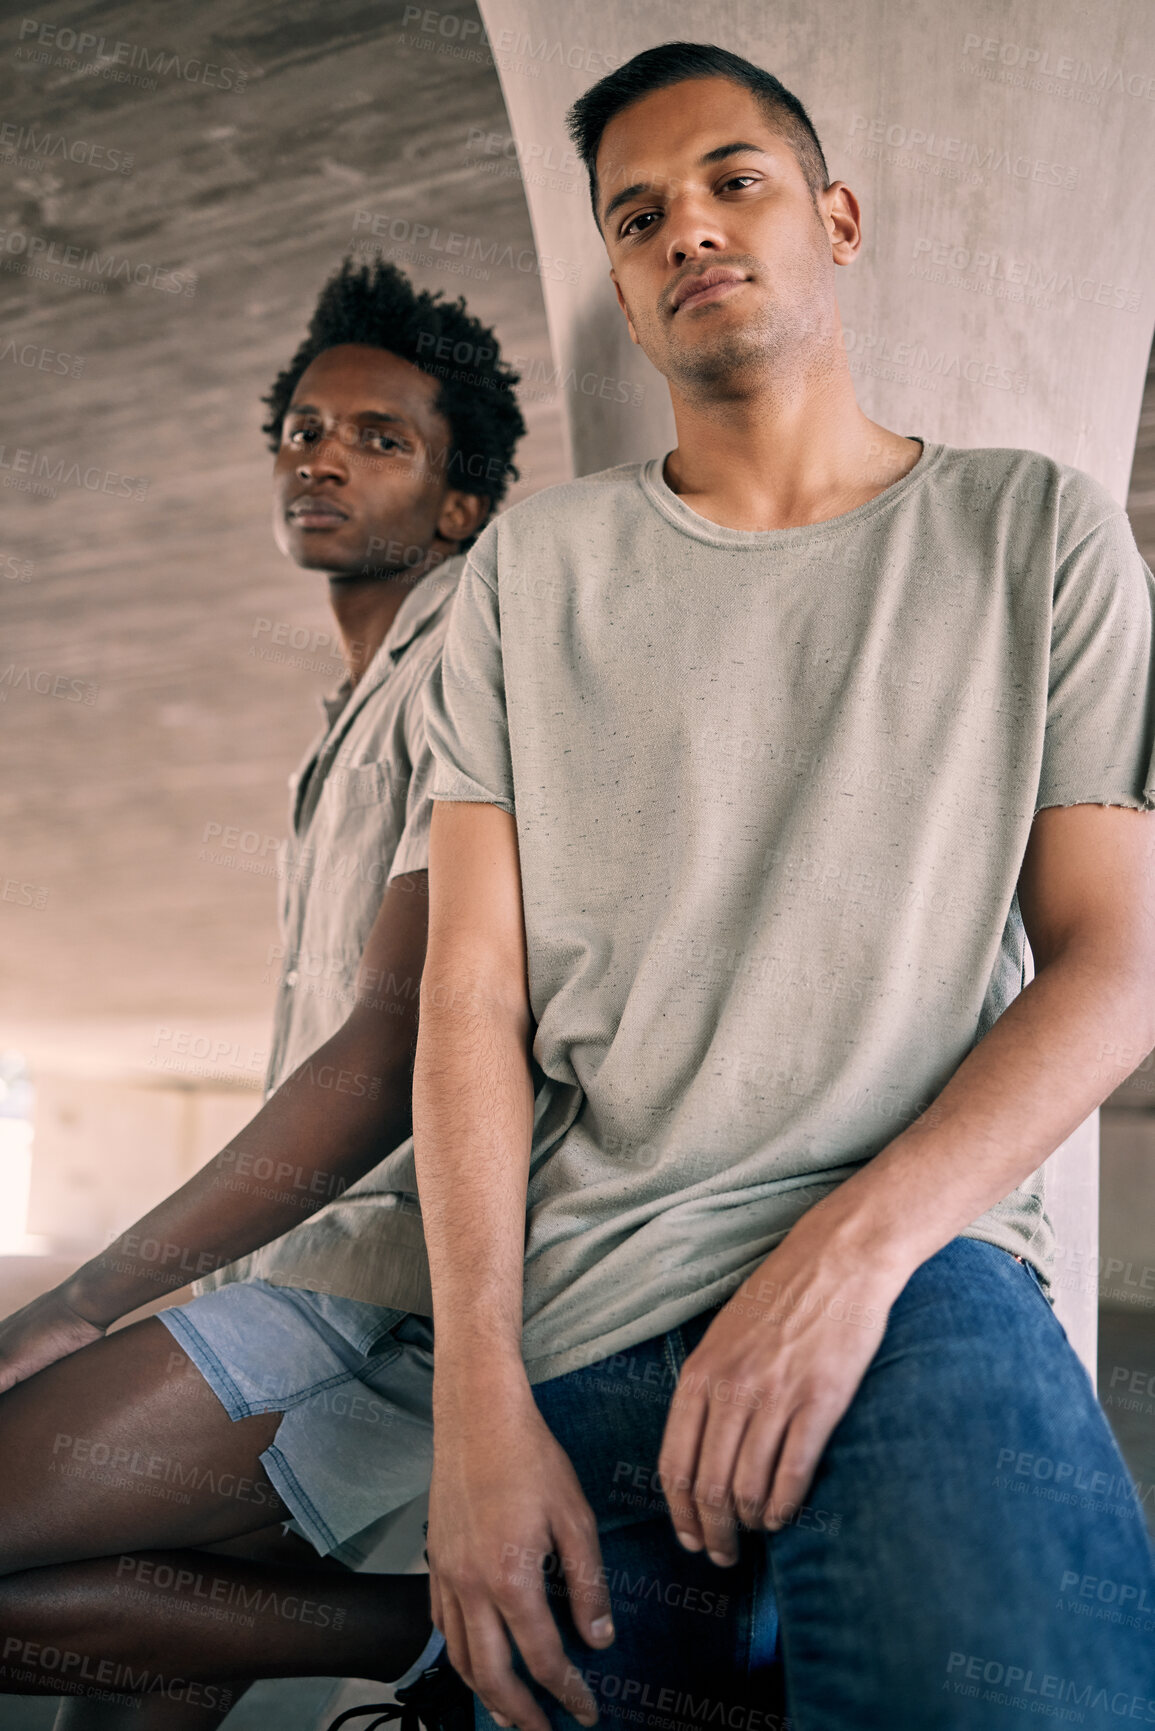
{"points": [[718, 154], [357, 415]]}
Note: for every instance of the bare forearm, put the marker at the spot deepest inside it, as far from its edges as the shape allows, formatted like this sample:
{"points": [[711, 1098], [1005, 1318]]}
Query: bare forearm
{"points": [[1043, 1067], [472, 1128], [330, 1123]]}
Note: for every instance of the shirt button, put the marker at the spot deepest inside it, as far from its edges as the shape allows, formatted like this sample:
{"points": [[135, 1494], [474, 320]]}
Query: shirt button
{"points": [[292, 977]]}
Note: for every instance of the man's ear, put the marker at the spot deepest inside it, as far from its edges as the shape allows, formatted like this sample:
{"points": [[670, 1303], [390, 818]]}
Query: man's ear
{"points": [[624, 307], [462, 514]]}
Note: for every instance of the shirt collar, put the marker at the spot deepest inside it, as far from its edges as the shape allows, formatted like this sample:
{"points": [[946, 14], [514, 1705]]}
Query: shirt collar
{"points": [[419, 607], [422, 602]]}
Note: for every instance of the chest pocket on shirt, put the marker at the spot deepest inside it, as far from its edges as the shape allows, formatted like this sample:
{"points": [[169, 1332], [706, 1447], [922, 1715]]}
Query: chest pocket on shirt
{"points": [[358, 784]]}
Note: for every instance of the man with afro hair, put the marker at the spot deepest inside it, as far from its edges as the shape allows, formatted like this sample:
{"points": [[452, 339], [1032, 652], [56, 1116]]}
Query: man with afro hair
{"points": [[193, 1489]]}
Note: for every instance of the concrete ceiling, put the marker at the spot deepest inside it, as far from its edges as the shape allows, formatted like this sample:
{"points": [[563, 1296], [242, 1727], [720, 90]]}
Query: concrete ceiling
{"points": [[151, 606], [136, 716]]}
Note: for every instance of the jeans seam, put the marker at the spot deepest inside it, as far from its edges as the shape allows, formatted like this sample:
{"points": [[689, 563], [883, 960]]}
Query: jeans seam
{"points": [[674, 1348]]}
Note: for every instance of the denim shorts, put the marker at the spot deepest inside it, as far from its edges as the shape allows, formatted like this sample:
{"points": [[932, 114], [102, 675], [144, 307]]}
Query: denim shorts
{"points": [[354, 1382]]}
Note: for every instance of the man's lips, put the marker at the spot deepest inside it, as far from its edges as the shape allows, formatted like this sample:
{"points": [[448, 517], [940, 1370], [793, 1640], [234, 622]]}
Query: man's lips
{"points": [[707, 285], [314, 513]]}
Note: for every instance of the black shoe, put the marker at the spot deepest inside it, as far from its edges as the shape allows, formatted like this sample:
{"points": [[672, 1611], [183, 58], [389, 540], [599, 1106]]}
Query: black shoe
{"points": [[437, 1701]]}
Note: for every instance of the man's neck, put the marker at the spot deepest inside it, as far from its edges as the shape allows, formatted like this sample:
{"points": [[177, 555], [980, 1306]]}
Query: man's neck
{"points": [[782, 456], [365, 608]]}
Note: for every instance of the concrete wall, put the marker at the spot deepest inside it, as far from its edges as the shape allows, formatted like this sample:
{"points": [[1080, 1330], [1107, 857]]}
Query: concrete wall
{"points": [[109, 1150], [1003, 297]]}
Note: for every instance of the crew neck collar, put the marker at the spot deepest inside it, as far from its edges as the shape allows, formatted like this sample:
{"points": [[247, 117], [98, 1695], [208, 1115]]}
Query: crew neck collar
{"points": [[677, 512]]}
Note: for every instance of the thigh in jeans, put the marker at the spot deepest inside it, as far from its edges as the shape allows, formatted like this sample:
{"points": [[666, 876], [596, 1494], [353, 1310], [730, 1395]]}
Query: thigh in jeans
{"points": [[976, 1489], [686, 1653]]}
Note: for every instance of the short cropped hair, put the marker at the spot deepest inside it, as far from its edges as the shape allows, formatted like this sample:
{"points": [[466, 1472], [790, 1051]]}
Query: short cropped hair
{"points": [[674, 63], [378, 306]]}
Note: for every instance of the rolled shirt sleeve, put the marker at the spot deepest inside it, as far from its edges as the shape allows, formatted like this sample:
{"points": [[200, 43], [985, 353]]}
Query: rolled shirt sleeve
{"points": [[1099, 742], [465, 713]]}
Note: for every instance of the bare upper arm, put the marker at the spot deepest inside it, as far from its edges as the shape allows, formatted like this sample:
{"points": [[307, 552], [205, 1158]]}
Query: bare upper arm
{"points": [[1088, 881], [476, 923]]}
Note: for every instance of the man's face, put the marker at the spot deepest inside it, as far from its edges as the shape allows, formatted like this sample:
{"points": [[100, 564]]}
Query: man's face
{"points": [[695, 183], [359, 481]]}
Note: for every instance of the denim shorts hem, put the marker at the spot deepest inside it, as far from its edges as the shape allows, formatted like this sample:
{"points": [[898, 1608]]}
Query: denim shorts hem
{"points": [[353, 1383], [306, 1516], [222, 1384]]}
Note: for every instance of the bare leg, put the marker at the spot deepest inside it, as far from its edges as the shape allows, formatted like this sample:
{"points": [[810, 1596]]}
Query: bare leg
{"points": [[144, 1715], [163, 1620], [124, 1446], [123, 1449]]}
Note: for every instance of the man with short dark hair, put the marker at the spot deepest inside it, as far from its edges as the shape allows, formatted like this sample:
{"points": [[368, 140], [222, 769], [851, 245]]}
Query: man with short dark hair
{"points": [[730, 1111], [295, 1386]]}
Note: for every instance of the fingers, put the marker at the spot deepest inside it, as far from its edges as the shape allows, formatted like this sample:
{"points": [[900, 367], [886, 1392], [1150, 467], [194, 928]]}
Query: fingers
{"points": [[478, 1621], [706, 1431], [435, 1611], [489, 1660], [678, 1462], [585, 1577], [807, 1436], [489, 1667], [540, 1646], [754, 1468], [452, 1626]]}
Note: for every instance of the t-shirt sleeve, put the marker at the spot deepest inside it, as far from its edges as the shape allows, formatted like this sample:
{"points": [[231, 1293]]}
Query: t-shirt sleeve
{"points": [[465, 714], [412, 852], [1099, 744]]}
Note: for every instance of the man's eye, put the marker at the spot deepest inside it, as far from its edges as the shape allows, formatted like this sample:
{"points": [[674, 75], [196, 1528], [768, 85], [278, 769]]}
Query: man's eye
{"points": [[382, 441], [642, 216], [302, 436], [735, 178]]}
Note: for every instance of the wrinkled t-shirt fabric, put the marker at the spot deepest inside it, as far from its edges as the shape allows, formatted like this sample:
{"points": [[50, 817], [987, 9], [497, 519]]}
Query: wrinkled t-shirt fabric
{"points": [[772, 793]]}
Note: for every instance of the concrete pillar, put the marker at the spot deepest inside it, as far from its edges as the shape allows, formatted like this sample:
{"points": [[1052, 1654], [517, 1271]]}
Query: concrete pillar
{"points": [[1001, 158]]}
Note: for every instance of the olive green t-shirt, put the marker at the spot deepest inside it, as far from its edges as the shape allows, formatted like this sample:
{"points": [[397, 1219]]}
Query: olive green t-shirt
{"points": [[772, 793]]}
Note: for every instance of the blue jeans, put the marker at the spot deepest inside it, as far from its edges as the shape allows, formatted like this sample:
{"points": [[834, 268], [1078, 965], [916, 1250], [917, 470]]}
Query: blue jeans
{"points": [[972, 1552]]}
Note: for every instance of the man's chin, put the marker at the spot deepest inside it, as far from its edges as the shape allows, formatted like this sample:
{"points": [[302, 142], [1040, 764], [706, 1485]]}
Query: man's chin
{"points": [[722, 363]]}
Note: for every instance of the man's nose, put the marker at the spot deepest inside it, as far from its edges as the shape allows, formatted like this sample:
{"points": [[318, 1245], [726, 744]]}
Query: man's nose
{"points": [[328, 458], [691, 232]]}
